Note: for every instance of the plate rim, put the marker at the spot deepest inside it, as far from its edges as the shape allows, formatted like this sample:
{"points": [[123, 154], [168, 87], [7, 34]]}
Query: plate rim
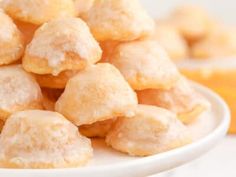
{"points": [[217, 133]]}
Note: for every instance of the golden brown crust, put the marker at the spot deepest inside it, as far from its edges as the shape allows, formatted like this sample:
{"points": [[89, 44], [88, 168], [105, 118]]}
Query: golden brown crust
{"points": [[1, 124], [50, 96], [55, 82], [108, 48], [97, 129], [27, 29]]}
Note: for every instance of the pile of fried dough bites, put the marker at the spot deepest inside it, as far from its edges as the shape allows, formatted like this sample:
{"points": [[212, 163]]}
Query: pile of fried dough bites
{"points": [[190, 32], [71, 70]]}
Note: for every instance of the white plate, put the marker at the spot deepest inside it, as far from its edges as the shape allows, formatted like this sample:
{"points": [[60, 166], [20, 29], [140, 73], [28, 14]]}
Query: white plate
{"points": [[210, 128]]}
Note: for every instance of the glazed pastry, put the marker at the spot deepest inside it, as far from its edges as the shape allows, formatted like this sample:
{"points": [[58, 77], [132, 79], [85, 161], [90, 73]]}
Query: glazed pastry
{"points": [[95, 94], [182, 99], [42, 139], [50, 96], [145, 65], [171, 40], [18, 91], [11, 41], [97, 129], [150, 131], [118, 20], [38, 11], [55, 82], [60, 45], [220, 43], [192, 22]]}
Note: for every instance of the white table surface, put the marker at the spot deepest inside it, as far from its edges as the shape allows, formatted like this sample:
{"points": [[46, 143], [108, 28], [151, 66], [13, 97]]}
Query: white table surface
{"points": [[219, 162]]}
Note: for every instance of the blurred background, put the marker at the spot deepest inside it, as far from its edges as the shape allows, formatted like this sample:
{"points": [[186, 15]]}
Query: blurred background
{"points": [[220, 162], [223, 10]]}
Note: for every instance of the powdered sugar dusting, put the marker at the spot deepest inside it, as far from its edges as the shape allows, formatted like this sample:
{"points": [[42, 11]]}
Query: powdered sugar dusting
{"points": [[17, 88], [57, 38], [7, 27], [38, 11]]}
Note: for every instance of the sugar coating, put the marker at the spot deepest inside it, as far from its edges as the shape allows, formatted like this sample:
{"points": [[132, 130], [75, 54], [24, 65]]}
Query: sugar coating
{"points": [[95, 94], [145, 64], [118, 20], [11, 41], [151, 130], [42, 139], [18, 91], [8, 28], [38, 11], [182, 99], [64, 44]]}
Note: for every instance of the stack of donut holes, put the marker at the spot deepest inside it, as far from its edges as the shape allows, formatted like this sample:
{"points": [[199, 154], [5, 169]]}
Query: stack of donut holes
{"points": [[72, 70]]}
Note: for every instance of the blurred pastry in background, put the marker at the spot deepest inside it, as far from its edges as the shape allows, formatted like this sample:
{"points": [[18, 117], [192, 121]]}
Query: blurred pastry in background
{"points": [[181, 99], [37, 11], [118, 20], [208, 39], [98, 129], [150, 131], [192, 21], [145, 64], [42, 139], [219, 43], [172, 41], [60, 45], [11, 40], [97, 93], [18, 91]]}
